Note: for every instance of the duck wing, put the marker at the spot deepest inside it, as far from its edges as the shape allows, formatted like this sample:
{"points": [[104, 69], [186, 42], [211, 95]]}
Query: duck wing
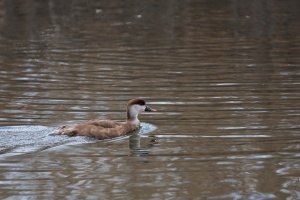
{"points": [[103, 123]]}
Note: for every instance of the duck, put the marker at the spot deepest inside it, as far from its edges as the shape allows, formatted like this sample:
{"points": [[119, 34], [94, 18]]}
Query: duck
{"points": [[106, 129]]}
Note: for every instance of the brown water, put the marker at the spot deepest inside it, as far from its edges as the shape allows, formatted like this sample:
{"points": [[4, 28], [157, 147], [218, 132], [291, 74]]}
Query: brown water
{"points": [[224, 76]]}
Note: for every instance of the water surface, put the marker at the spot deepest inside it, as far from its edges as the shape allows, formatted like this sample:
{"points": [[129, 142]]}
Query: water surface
{"points": [[224, 77]]}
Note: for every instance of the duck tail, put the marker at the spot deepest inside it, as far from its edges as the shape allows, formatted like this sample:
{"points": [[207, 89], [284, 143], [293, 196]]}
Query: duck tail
{"points": [[64, 131], [57, 132]]}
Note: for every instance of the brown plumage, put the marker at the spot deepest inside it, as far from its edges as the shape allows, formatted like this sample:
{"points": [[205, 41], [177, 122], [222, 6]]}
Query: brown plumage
{"points": [[105, 129]]}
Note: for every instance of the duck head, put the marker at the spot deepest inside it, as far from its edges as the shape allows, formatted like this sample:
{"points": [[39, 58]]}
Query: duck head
{"points": [[135, 107]]}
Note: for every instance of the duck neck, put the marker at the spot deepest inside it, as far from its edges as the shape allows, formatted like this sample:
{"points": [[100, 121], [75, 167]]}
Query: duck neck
{"points": [[132, 117], [135, 121]]}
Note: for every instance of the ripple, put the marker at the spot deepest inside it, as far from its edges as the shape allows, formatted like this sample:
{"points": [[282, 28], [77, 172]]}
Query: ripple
{"points": [[18, 140]]}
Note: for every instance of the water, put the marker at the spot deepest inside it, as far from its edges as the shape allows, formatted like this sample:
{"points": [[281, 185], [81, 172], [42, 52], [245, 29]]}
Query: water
{"points": [[224, 77]]}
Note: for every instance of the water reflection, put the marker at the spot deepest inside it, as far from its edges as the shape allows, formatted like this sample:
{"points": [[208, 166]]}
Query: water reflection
{"points": [[138, 149]]}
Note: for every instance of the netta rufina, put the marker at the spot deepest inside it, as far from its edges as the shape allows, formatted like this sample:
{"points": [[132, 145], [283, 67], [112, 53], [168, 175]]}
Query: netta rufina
{"points": [[105, 129]]}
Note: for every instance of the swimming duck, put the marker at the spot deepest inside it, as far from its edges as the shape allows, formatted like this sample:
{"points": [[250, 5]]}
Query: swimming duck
{"points": [[105, 129]]}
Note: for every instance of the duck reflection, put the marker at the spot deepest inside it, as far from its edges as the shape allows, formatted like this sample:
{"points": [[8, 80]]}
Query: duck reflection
{"points": [[140, 146]]}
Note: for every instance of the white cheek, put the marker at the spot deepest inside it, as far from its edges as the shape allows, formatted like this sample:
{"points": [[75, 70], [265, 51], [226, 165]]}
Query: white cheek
{"points": [[136, 109], [142, 108]]}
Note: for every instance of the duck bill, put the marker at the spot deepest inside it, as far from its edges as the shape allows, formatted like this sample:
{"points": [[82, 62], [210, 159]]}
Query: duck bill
{"points": [[148, 109]]}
